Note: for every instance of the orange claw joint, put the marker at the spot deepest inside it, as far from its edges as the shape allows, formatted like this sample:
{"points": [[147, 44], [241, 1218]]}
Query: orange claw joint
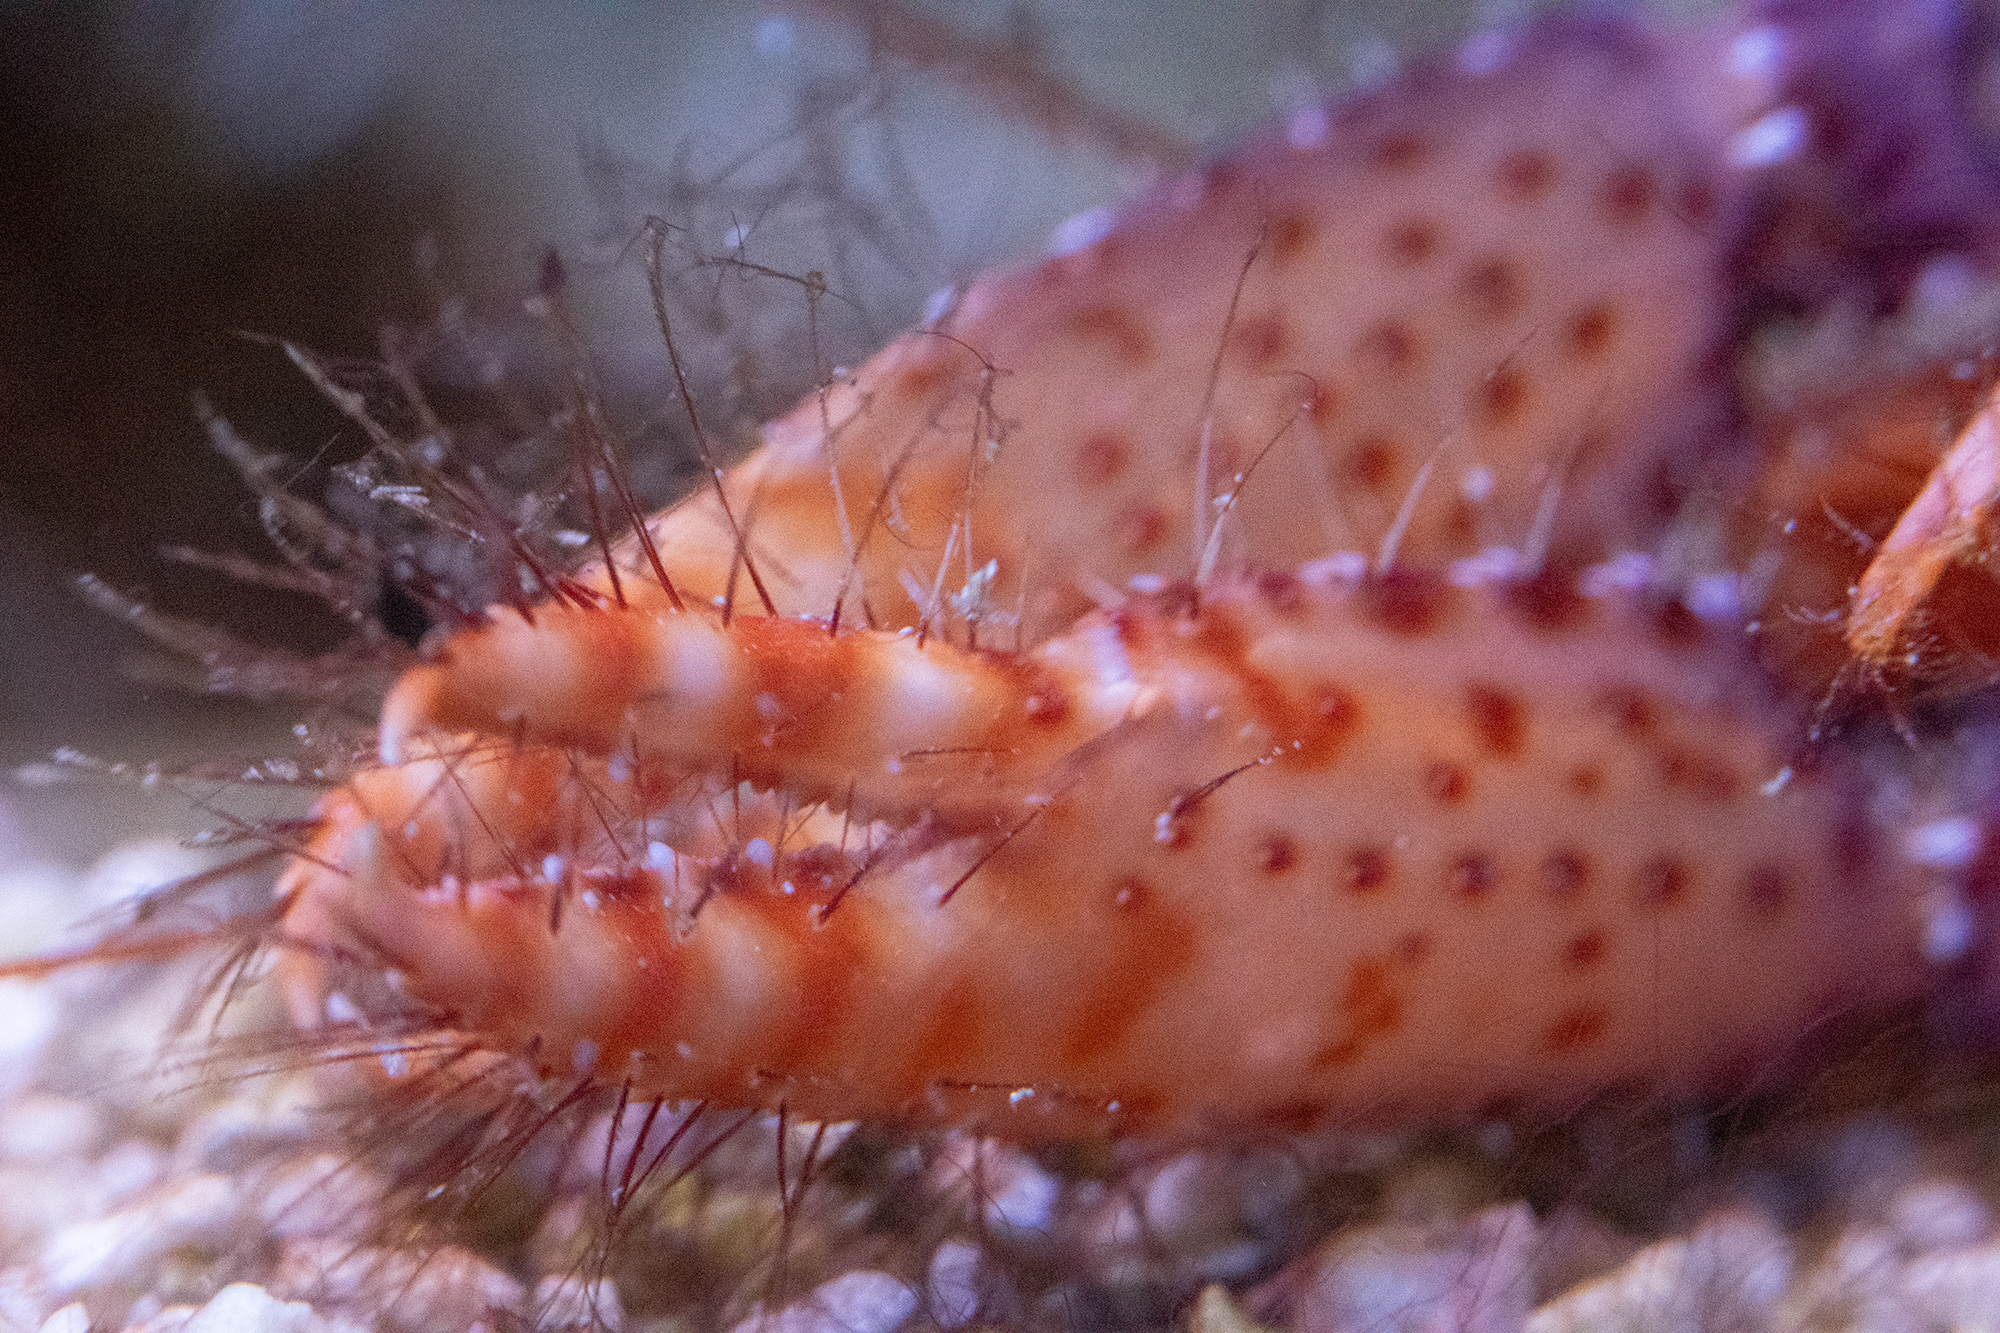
{"points": [[1951, 522], [891, 724], [390, 877]]}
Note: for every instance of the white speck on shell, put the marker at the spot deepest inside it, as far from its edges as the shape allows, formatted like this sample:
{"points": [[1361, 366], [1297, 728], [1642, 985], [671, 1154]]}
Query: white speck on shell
{"points": [[1080, 232], [1943, 844], [1772, 140]]}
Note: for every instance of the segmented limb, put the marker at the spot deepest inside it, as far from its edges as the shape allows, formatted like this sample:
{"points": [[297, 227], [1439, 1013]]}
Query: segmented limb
{"points": [[1328, 841], [1950, 524]]}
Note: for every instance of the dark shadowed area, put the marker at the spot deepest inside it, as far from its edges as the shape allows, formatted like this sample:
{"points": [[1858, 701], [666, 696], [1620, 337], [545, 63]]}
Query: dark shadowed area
{"points": [[182, 184]]}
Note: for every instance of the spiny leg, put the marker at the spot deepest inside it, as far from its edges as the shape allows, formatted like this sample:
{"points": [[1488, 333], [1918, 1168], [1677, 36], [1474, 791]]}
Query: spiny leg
{"points": [[1899, 622]]}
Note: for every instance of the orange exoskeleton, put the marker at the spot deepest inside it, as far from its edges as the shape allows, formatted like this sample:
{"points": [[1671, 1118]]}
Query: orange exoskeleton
{"points": [[1363, 633], [1482, 791]]}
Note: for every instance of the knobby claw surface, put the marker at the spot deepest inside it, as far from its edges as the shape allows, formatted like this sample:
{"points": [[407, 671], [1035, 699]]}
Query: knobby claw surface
{"points": [[1450, 746], [1368, 632]]}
